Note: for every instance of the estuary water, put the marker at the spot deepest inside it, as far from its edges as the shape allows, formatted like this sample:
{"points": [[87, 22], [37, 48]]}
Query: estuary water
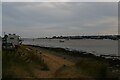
{"points": [[97, 47]]}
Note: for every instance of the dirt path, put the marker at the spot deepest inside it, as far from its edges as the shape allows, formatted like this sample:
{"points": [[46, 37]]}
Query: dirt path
{"points": [[54, 63]]}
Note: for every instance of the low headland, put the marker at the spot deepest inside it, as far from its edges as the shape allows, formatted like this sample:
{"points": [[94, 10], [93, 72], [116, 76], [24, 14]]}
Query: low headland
{"points": [[31, 61]]}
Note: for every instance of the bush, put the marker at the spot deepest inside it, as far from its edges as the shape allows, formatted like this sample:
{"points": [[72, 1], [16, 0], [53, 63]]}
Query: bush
{"points": [[93, 68], [45, 67]]}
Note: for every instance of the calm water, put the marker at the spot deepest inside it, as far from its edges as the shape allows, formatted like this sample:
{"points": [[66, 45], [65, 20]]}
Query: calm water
{"points": [[97, 47]]}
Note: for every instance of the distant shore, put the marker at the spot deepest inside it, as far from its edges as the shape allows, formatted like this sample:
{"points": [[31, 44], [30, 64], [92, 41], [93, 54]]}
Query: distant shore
{"points": [[95, 37]]}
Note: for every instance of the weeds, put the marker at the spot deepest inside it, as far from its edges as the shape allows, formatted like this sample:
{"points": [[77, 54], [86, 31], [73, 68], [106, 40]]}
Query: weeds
{"points": [[97, 69], [19, 58]]}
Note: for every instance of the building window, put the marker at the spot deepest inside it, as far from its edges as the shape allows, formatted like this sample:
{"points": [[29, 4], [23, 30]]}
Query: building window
{"points": [[11, 38]]}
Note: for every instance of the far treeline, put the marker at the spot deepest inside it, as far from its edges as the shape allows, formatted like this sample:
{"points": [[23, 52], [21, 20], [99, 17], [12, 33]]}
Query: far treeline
{"points": [[112, 37]]}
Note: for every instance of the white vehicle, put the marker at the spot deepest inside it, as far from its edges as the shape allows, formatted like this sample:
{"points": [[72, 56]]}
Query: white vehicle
{"points": [[14, 39], [8, 46], [11, 41]]}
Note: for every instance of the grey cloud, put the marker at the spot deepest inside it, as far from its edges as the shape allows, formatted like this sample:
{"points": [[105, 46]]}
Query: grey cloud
{"points": [[47, 19], [0, 19]]}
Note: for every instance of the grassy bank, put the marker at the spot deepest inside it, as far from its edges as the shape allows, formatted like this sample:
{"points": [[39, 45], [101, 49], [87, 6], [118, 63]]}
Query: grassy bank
{"points": [[30, 61], [96, 67], [19, 63], [0, 63]]}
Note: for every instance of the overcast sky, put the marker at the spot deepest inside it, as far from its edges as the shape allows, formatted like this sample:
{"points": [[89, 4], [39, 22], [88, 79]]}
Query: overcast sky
{"points": [[0, 19], [60, 0], [48, 19]]}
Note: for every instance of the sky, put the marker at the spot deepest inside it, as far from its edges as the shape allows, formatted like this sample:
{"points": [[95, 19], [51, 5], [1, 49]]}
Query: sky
{"points": [[47, 19], [60, 0], [0, 19]]}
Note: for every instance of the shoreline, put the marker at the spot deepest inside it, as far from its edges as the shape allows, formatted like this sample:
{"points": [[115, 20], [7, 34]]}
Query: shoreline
{"points": [[105, 48], [74, 54], [78, 51]]}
